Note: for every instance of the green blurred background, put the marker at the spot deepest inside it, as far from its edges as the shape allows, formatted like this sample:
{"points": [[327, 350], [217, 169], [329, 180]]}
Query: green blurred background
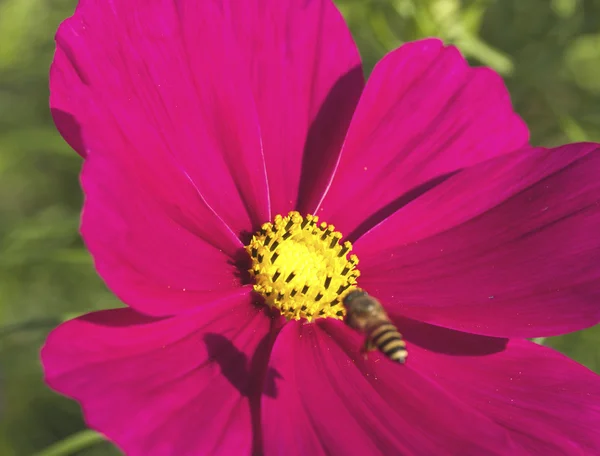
{"points": [[547, 50]]}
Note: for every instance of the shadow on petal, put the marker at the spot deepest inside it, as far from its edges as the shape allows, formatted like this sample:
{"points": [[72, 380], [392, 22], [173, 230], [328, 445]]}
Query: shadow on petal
{"points": [[238, 369], [119, 318], [244, 373], [390, 208], [242, 263], [447, 341], [325, 137], [70, 130], [251, 377]]}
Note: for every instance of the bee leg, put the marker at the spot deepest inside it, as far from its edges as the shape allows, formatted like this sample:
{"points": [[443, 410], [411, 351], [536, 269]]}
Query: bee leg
{"points": [[367, 347]]}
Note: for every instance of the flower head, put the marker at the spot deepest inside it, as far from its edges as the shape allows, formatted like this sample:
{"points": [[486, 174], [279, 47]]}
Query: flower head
{"points": [[301, 268], [241, 180]]}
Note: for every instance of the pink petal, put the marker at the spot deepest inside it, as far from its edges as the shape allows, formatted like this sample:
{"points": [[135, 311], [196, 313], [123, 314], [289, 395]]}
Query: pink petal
{"points": [[424, 113], [164, 95], [146, 248], [306, 78], [506, 248], [176, 386], [331, 401], [548, 403]]}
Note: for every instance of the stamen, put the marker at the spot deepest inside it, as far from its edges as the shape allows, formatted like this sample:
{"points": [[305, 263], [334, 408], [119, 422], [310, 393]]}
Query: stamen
{"points": [[312, 262], [345, 248]]}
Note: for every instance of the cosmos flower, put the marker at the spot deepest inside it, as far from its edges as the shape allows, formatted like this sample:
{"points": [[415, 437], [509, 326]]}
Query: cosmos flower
{"points": [[212, 132]]}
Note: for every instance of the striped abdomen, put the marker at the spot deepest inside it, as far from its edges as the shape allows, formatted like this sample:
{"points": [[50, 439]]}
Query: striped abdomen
{"points": [[388, 340]]}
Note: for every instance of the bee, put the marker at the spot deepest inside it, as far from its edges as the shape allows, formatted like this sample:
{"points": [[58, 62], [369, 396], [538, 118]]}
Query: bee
{"points": [[366, 314]]}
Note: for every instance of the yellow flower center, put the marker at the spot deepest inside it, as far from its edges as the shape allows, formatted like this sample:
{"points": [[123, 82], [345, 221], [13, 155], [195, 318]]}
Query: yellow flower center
{"points": [[301, 268]]}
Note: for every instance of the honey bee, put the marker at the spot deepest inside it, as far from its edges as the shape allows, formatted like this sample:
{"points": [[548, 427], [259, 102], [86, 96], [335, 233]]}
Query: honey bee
{"points": [[366, 314]]}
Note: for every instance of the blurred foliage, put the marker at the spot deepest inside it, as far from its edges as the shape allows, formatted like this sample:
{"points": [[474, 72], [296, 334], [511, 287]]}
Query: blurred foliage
{"points": [[547, 50]]}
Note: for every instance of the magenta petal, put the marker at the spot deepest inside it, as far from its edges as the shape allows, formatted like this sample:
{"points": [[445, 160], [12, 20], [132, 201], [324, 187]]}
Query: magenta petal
{"points": [[178, 386], [506, 248], [147, 249], [331, 402], [168, 97], [424, 113], [306, 78], [548, 403]]}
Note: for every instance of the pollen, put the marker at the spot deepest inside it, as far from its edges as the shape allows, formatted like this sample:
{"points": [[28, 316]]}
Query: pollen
{"points": [[301, 267]]}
